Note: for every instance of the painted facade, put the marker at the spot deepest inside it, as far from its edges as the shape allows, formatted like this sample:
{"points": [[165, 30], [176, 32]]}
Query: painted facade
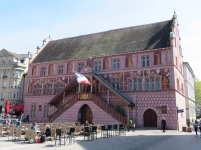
{"points": [[147, 79]]}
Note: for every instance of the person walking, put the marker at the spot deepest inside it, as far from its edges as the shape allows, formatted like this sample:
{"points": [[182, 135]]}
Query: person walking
{"points": [[27, 118], [163, 123], [200, 128], [196, 127], [130, 125]]}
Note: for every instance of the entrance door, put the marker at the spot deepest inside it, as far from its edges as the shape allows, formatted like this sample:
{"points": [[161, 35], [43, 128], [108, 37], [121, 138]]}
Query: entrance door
{"points": [[85, 113], [88, 116], [150, 118]]}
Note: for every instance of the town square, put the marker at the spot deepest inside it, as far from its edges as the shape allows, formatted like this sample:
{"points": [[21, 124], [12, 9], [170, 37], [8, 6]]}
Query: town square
{"points": [[100, 75]]}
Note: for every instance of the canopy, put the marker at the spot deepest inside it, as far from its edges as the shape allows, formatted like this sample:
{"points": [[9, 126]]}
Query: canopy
{"points": [[7, 107], [17, 107]]}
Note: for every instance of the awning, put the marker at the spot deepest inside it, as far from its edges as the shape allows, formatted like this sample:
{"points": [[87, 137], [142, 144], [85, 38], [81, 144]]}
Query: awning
{"points": [[17, 107]]}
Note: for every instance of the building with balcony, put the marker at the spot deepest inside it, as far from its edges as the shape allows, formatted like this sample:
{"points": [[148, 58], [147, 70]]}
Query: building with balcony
{"points": [[12, 69], [189, 92], [135, 72]]}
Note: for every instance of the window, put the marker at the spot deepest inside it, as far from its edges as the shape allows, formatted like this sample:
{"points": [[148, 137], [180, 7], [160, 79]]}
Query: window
{"points": [[147, 85], [33, 110], [16, 73], [43, 70], [158, 84], [116, 64], [13, 73], [37, 90], [135, 84], [152, 83], [97, 65], [115, 83], [140, 85], [47, 92], [130, 85], [40, 90], [34, 90], [18, 94], [145, 61], [3, 62], [121, 110], [4, 54], [45, 111], [15, 83], [58, 87], [2, 96], [80, 66], [9, 62], [10, 95], [14, 95], [44, 91], [50, 89], [60, 69], [55, 89]]}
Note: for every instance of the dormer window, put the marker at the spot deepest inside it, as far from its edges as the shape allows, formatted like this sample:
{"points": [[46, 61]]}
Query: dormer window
{"points": [[116, 64], [4, 54], [9, 63], [97, 65]]}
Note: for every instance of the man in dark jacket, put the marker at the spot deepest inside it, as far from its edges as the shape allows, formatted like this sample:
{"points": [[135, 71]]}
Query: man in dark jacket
{"points": [[27, 118], [163, 123]]}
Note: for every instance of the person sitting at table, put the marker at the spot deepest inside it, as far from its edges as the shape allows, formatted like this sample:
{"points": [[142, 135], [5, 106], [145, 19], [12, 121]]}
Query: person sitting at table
{"points": [[78, 123], [48, 131], [45, 125], [18, 122], [86, 123], [93, 124], [9, 122], [33, 127]]}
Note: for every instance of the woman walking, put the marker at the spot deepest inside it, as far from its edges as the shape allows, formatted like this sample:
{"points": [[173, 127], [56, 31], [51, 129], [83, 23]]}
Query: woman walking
{"points": [[196, 127]]}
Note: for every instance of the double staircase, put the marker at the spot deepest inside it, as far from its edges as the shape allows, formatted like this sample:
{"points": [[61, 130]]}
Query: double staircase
{"points": [[104, 106]]}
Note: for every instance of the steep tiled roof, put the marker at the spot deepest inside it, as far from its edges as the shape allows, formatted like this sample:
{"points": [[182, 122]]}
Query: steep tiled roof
{"points": [[125, 40]]}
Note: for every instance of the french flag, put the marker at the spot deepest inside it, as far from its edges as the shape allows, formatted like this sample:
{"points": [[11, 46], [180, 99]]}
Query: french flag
{"points": [[81, 79]]}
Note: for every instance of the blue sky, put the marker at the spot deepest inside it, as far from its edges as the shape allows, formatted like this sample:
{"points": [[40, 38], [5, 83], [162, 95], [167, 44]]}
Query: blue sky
{"points": [[25, 23]]}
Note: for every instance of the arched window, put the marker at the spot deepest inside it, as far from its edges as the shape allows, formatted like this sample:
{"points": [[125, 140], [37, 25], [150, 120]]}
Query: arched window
{"points": [[44, 91]]}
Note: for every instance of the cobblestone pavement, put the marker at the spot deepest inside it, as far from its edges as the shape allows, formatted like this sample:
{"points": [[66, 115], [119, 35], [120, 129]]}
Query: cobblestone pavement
{"points": [[141, 139]]}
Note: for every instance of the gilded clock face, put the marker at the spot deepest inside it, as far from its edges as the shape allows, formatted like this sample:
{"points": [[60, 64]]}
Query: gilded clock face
{"points": [[85, 69]]}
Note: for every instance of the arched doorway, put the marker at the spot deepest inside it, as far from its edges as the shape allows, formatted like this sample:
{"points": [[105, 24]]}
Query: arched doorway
{"points": [[85, 113], [150, 118]]}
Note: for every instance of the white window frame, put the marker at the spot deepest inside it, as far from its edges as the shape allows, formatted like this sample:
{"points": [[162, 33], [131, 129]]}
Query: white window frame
{"points": [[146, 59]]}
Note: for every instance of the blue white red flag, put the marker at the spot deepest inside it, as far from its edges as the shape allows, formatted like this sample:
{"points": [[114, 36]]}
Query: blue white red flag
{"points": [[81, 79]]}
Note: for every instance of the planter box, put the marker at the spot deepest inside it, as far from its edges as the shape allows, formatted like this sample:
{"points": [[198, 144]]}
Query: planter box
{"points": [[184, 129], [189, 129]]}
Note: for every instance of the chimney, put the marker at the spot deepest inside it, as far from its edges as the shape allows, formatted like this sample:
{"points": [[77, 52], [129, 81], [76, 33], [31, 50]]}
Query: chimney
{"points": [[28, 54], [38, 49], [44, 42]]}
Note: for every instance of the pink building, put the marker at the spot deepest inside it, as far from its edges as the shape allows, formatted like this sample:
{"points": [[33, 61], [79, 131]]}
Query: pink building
{"points": [[135, 72]]}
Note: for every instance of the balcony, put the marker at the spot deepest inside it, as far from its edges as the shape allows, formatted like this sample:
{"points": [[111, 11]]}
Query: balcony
{"points": [[3, 87], [4, 76], [19, 64]]}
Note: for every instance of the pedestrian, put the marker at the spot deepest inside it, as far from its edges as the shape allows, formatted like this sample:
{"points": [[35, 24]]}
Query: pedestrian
{"points": [[196, 127], [200, 128], [21, 118], [27, 118], [163, 123], [130, 125]]}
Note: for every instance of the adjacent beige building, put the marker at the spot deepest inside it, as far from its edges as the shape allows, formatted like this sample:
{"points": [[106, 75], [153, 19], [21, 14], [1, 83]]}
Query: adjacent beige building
{"points": [[189, 91], [12, 73]]}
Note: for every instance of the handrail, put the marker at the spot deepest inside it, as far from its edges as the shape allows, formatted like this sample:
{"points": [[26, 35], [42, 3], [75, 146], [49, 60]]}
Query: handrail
{"points": [[116, 115], [63, 108]]}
